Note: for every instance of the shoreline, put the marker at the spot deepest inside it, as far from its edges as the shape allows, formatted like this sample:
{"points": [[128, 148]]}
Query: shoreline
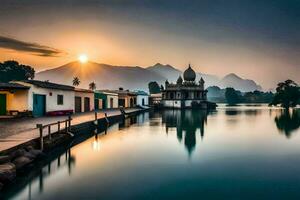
{"points": [[25, 156]]}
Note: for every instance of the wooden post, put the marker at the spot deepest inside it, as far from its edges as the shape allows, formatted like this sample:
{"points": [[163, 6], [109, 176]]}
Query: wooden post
{"points": [[58, 126], [40, 127], [49, 132], [66, 126], [58, 161], [96, 117], [69, 118], [107, 121]]}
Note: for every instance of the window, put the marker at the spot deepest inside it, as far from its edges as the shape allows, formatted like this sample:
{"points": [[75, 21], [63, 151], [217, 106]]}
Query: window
{"points": [[172, 95], [60, 99]]}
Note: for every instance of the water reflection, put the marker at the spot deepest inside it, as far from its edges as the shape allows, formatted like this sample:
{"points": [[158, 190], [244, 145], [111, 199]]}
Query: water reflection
{"points": [[186, 122], [233, 112], [36, 178], [288, 121], [240, 151]]}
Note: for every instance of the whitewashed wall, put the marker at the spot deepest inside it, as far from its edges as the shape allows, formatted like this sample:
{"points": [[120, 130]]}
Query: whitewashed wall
{"points": [[83, 95], [115, 101], [51, 100], [171, 104], [139, 100], [177, 103]]}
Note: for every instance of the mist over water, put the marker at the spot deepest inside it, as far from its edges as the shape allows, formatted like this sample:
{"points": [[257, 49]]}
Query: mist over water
{"points": [[234, 152]]}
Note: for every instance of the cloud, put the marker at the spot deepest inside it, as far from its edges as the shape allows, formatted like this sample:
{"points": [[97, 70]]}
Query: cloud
{"points": [[33, 48]]}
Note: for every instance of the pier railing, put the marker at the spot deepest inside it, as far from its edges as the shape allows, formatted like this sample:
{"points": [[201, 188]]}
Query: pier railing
{"points": [[63, 125]]}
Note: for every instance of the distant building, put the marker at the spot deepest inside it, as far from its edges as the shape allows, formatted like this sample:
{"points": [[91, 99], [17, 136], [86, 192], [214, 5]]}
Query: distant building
{"points": [[44, 98], [105, 99], [185, 93], [155, 99], [142, 98], [127, 99], [84, 100]]}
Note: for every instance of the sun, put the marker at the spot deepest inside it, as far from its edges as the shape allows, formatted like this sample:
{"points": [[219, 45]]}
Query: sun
{"points": [[83, 58]]}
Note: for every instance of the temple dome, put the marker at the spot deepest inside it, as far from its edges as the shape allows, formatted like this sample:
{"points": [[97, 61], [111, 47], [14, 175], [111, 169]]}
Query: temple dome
{"points": [[189, 74]]}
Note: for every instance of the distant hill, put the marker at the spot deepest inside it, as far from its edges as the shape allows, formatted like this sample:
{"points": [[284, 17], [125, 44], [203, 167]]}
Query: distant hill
{"points": [[105, 76], [236, 82], [133, 77]]}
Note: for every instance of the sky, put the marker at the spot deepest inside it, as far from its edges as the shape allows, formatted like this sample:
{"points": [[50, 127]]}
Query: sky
{"points": [[256, 39]]}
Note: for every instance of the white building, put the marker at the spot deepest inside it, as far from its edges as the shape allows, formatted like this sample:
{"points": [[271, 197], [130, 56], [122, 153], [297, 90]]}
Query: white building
{"points": [[45, 98], [84, 100], [142, 98], [105, 99], [186, 92]]}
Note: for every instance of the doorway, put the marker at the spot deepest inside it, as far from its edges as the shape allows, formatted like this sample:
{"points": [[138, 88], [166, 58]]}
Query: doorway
{"points": [[86, 104], [3, 104], [39, 105], [111, 102], [77, 104]]}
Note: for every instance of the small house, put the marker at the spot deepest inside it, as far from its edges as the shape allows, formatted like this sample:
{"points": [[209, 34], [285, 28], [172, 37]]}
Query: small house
{"points": [[46, 98], [142, 98], [13, 98], [84, 100], [106, 99], [127, 99]]}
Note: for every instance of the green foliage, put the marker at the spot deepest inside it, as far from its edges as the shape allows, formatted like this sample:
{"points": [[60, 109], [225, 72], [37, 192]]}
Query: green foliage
{"points": [[258, 97], [287, 94], [92, 86], [232, 96], [13, 71], [154, 87], [216, 94], [76, 81]]}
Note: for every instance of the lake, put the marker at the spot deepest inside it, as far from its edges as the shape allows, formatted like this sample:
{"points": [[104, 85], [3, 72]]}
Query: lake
{"points": [[242, 152]]}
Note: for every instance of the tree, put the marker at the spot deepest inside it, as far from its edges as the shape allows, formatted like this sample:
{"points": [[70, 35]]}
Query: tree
{"points": [[154, 87], [258, 97], [92, 86], [232, 96], [287, 94], [13, 71], [76, 81]]}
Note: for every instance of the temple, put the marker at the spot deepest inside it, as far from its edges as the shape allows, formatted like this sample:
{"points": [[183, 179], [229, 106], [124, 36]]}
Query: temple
{"points": [[186, 92]]}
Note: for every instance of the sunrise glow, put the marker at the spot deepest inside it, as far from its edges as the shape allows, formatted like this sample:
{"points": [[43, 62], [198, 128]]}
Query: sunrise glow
{"points": [[83, 58]]}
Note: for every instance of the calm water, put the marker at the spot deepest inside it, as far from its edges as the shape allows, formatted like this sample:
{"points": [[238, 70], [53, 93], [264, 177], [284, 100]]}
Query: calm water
{"points": [[244, 152]]}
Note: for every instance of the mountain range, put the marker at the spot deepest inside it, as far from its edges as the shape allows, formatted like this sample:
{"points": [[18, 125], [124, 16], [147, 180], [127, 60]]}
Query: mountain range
{"points": [[134, 77]]}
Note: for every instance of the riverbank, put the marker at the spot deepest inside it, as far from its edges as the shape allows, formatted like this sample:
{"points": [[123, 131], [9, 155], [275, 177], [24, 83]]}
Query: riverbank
{"points": [[25, 153], [17, 131]]}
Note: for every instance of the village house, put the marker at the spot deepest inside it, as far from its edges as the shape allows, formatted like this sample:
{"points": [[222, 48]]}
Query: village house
{"points": [[84, 100], [127, 99], [106, 99], [142, 98], [13, 99], [40, 98]]}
